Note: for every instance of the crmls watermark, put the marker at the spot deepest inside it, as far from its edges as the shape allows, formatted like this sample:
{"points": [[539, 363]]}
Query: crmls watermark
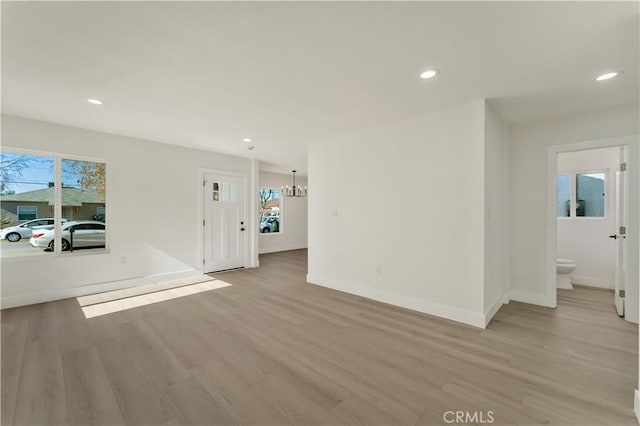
{"points": [[474, 417]]}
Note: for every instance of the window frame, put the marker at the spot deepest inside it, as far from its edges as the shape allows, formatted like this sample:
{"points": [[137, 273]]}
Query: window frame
{"points": [[573, 193], [57, 208], [280, 215]]}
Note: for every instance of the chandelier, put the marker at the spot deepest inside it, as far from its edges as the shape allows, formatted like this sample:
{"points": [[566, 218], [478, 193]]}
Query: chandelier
{"points": [[293, 191]]}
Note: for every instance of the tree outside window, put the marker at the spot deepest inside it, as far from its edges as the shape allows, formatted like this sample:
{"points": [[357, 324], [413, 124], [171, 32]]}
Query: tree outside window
{"points": [[269, 218]]}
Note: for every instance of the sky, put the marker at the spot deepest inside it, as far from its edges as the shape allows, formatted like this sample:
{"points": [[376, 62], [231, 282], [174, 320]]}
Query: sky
{"points": [[36, 175]]}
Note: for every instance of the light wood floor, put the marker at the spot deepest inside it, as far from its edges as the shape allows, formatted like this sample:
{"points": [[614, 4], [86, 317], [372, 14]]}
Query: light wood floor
{"points": [[272, 350]]}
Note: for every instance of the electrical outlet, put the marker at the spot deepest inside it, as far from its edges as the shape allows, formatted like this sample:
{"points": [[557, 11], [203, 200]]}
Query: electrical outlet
{"points": [[379, 269]]}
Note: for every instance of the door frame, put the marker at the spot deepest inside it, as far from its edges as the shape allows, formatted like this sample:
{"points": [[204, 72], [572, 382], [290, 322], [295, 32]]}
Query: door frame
{"points": [[200, 240], [632, 205]]}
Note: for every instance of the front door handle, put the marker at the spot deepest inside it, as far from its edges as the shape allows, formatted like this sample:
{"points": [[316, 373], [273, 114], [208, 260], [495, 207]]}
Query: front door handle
{"points": [[615, 237]]}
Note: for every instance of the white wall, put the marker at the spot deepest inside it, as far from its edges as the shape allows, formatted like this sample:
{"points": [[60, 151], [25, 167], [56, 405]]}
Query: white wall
{"points": [[407, 197], [496, 213], [152, 196], [293, 213], [586, 239], [528, 159]]}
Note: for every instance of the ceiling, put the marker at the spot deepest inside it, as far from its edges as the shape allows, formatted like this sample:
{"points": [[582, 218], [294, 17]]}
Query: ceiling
{"points": [[209, 74]]}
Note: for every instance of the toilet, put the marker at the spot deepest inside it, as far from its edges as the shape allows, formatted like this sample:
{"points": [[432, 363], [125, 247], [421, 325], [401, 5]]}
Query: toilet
{"points": [[563, 268]]}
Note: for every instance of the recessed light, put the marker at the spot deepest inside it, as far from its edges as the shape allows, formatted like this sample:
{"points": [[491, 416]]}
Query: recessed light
{"points": [[95, 101], [608, 76], [246, 140], [429, 73]]}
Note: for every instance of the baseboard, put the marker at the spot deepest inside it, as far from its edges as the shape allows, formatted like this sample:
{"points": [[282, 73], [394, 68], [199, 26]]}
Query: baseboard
{"points": [[531, 298], [591, 281], [66, 293], [174, 275], [636, 404], [493, 309], [464, 316], [282, 247]]}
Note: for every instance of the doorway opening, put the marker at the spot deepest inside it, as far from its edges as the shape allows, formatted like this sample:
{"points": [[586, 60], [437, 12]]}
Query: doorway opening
{"points": [[588, 218], [591, 220]]}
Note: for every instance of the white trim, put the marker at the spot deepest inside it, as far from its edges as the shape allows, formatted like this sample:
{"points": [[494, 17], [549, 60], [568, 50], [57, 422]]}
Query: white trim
{"points": [[533, 298], [591, 281], [284, 247], [254, 207], [65, 293], [636, 404], [492, 310], [464, 316], [57, 206]]}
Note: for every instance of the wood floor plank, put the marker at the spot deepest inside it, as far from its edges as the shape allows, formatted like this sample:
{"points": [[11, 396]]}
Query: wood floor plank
{"points": [[356, 411], [73, 328], [195, 406], [236, 397], [90, 400], [41, 396], [293, 405], [8, 397], [141, 399], [43, 321]]}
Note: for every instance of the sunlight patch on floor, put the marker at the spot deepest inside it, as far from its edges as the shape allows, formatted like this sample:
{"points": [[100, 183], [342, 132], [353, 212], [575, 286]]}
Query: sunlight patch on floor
{"points": [[112, 306], [139, 290]]}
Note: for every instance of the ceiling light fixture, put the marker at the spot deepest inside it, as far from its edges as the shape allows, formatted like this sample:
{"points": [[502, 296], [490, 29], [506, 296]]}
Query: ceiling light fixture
{"points": [[95, 101], [246, 140], [293, 191], [430, 73], [608, 76]]}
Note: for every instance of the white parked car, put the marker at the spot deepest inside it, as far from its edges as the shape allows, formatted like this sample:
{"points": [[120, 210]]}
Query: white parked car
{"points": [[25, 230], [86, 233]]}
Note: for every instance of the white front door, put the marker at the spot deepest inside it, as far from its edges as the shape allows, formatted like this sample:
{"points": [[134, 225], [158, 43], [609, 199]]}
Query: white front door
{"points": [[620, 235], [224, 222]]}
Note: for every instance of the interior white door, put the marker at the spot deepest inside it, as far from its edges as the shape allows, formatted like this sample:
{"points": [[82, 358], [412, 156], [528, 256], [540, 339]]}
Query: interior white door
{"points": [[620, 237], [224, 222]]}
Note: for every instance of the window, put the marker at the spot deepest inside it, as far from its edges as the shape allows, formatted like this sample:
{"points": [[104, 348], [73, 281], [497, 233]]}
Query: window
{"points": [[581, 194], [30, 190], [270, 220], [27, 212], [564, 196], [590, 194], [225, 192]]}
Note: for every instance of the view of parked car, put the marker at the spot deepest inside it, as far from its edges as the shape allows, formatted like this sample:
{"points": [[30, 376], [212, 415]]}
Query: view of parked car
{"points": [[86, 233], [25, 230], [270, 224]]}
